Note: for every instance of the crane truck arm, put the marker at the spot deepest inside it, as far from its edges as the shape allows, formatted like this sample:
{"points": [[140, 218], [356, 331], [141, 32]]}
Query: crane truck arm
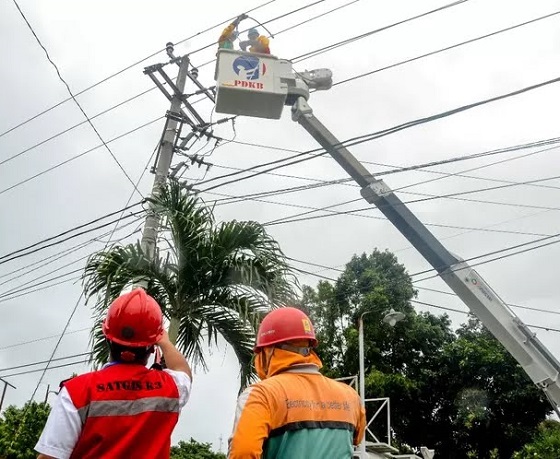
{"points": [[262, 85], [535, 359]]}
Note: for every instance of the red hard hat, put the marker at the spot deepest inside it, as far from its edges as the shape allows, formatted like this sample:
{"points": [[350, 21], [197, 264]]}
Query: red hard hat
{"points": [[134, 320], [285, 324]]}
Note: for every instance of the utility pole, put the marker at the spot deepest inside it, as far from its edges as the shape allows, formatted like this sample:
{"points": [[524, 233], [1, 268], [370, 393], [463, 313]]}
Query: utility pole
{"points": [[6, 384], [149, 234]]}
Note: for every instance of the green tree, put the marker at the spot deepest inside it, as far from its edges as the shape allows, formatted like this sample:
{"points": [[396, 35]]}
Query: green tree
{"points": [[210, 279], [20, 428], [545, 445], [460, 393], [194, 450]]}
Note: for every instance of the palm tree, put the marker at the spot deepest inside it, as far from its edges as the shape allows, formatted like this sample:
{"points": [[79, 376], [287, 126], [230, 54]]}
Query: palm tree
{"points": [[210, 279]]}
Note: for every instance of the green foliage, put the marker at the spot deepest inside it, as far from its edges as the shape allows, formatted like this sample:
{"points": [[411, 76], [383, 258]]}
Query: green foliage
{"points": [[194, 450], [20, 428], [460, 393], [212, 279], [545, 444]]}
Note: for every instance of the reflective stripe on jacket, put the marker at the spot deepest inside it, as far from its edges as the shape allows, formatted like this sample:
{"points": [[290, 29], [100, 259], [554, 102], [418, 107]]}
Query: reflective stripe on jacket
{"points": [[126, 411]]}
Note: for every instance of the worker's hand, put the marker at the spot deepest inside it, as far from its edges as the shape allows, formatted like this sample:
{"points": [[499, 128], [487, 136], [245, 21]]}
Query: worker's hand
{"points": [[243, 45], [240, 18], [164, 338]]}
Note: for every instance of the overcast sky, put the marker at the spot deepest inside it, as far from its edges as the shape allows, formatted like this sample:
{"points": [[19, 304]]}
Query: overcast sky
{"points": [[90, 40]]}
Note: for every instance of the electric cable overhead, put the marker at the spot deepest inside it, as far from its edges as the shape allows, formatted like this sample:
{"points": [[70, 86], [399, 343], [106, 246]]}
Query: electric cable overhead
{"points": [[518, 306], [447, 48], [30, 286], [151, 89], [35, 246], [74, 98], [58, 134], [495, 252], [44, 338], [125, 69], [347, 41], [44, 370], [338, 269], [74, 158], [357, 140], [376, 71], [31, 364]]}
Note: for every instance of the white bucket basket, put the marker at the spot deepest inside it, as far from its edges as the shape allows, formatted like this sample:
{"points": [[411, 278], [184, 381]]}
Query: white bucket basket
{"points": [[252, 84]]}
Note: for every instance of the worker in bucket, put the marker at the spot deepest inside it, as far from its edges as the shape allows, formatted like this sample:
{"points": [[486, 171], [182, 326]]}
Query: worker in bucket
{"points": [[294, 412], [124, 410], [229, 34], [258, 43]]}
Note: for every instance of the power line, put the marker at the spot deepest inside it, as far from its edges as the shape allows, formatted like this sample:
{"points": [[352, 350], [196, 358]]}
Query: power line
{"points": [[44, 338], [133, 97], [502, 257], [40, 289], [29, 286], [24, 287], [423, 303], [73, 158], [374, 31], [31, 364], [447, 48], [44, 370], [548, 311], [337, 269], [123, 70], [58, 134], [33, 267], [379, 70], [418, 167], [74, 98], [357, 140], [316, 17], [12, 255]]}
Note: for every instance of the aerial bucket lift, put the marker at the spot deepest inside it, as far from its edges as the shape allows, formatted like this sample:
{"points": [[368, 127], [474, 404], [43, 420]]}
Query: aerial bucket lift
{"points": [[536, 360], [260, 85], [252, 84]]}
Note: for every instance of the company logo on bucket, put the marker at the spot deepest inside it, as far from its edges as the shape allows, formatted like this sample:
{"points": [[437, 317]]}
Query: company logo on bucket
{"points": [[249, 67]]}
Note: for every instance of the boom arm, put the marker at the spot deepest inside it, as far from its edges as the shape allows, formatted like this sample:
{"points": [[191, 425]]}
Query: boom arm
{"points": [[541, 366]]}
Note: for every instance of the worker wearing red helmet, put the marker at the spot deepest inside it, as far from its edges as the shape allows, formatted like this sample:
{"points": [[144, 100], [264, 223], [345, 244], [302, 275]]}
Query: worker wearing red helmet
{"points": [[294, 411], [124, 410]]}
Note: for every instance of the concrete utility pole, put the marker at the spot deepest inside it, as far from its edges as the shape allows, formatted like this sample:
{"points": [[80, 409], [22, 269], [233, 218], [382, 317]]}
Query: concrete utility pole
{"points": [[6, 384], [149, 234]]}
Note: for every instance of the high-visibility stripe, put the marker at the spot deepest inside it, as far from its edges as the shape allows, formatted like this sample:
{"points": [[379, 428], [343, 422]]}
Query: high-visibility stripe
{"points": [[306, 368], [300, 425], [129, 407]]}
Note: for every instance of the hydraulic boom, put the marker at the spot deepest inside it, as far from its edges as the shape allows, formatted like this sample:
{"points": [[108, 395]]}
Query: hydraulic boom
{"points": [[541, 366]]}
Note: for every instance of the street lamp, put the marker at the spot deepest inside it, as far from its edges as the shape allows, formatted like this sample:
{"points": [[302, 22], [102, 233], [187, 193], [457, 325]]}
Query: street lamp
{"points": [[362, 446], [391, 318]]}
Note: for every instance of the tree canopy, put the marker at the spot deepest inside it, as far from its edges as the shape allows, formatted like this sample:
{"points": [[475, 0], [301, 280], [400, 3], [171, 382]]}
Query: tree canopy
{"points": [[194, 450], [20, 429], [459, 392]]}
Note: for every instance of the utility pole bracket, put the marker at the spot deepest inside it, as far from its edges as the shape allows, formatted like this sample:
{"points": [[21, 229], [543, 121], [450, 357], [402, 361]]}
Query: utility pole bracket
{"points": [[375, 190]]}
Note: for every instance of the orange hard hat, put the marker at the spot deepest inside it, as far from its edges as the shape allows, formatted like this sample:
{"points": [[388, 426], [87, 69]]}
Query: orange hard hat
{"points": [[134, 320], [285, 324]]}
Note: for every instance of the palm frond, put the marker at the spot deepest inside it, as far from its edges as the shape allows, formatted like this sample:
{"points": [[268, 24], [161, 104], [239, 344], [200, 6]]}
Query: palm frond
{"points": [[214, 279]]}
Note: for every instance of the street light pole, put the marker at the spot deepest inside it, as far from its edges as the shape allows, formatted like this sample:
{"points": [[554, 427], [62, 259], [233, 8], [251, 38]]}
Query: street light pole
{"points": [[362, 376]]}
